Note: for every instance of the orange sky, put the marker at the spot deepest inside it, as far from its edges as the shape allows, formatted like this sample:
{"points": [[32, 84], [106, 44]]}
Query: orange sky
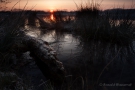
{"points": [[66, 4]]}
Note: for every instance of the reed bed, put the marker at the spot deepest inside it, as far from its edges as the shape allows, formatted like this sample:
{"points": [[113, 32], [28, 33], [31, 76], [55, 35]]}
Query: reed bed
{"points": [[9, 28], [92, 24]]}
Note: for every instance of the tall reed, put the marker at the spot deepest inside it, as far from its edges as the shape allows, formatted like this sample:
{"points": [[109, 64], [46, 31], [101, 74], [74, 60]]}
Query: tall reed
{"points": [[9, 28], [93, 24]]}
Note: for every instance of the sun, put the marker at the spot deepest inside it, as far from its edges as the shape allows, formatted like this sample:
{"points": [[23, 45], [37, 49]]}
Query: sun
{"points": [[51, 10]]}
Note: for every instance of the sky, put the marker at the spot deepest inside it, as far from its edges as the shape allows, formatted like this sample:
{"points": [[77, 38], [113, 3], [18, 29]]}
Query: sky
{"points": [[68, 5]]}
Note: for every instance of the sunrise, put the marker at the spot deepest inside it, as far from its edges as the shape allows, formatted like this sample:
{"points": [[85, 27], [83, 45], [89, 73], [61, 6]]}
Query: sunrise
{"points": [[67, 45], [67, 4]]}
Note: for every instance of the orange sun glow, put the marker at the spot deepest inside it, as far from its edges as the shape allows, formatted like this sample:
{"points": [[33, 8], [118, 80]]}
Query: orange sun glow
{"points": [[51, 10], [52, 17]]}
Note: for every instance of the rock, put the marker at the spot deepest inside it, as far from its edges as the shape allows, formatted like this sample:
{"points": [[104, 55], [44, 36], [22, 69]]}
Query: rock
{"points": [[45, 58]]}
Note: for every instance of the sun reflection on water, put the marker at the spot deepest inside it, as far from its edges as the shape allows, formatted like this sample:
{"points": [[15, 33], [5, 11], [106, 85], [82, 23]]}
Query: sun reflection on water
{"points": [[52, 17]]}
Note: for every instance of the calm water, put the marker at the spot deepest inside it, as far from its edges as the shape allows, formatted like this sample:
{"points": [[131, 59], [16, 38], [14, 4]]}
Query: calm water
{"points": [[66, 45]]}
